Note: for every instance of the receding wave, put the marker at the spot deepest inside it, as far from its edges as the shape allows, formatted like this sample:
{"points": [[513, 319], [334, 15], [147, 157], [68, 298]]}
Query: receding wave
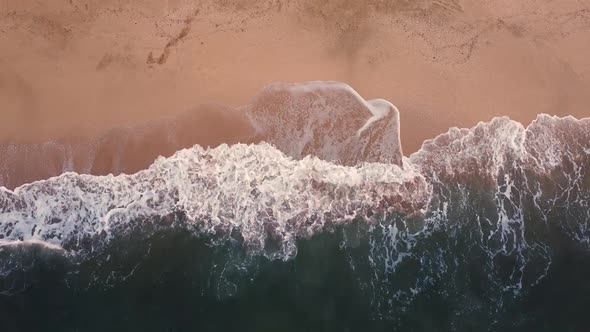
{"points": [[324, 119], [479, 220]]}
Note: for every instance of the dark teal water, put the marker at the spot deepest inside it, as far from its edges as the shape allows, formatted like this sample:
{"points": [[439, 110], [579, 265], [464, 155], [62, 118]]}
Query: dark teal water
{"points": [[174, 281]]}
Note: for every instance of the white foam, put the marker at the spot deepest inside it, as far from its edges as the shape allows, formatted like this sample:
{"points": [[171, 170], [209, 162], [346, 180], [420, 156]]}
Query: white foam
{"points": [[263, 192], [380, 108], [31, 242], [255, 189], [329, 120]]}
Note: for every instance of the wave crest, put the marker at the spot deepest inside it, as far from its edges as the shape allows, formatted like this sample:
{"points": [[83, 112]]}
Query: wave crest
{"points": [[254, 189]]}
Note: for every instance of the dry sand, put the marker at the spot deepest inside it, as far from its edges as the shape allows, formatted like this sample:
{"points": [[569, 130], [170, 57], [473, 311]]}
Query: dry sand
{"points": [[79, 67]]}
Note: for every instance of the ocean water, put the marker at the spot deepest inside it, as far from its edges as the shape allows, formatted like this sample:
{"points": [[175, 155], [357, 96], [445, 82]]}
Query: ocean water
{"points": [[318, 224]]}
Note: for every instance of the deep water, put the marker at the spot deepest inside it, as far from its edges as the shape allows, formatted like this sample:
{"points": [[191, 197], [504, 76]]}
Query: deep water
{"points": [[174, 281]]}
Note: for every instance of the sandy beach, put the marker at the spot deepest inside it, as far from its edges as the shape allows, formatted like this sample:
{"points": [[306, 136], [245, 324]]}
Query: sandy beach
{"points": [[78, 68]]}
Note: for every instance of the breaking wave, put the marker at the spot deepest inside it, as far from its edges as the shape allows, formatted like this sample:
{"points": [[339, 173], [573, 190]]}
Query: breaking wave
{"points": [[478, 222]]}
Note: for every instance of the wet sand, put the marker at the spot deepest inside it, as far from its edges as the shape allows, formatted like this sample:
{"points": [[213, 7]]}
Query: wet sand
{"points": [[79, 68]]}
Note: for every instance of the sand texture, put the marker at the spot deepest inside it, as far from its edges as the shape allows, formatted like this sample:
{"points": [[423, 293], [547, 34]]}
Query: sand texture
{"points": [[81, 67]]}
